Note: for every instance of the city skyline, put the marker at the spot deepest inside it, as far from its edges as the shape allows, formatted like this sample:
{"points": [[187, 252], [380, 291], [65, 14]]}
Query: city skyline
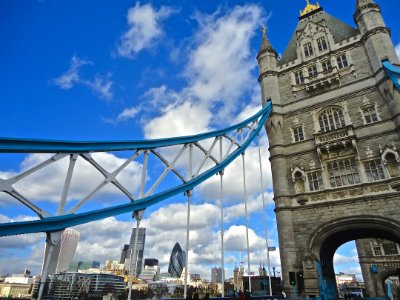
{"points": [[88, 73]]}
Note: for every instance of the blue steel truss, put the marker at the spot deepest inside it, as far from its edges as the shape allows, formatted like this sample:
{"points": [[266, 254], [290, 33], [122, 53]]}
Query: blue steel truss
{"points": [[393, 73], [48, 223]]}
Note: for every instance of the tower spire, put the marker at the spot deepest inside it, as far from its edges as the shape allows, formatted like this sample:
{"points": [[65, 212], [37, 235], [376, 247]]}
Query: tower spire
{"points": [[265, 43]]}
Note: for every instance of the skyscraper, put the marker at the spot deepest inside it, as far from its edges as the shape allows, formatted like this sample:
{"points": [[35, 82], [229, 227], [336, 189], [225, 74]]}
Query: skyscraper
{"points": [[177, 261], [216, 275], [138, 262], [64, 252]]}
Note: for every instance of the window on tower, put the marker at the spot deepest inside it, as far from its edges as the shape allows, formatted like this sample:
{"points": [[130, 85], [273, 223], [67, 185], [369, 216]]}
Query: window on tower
{"points": [[326, 65], [312, 71], [298, 134], [315, 181], [321, 44], [331, 119], [370, 115], [343, 172], [299, 77], [374, 170], [308, 50], [342, 61]]}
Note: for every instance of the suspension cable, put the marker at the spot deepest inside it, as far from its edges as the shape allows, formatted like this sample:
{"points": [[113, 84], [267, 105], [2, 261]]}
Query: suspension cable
{"points": [[246, 218], [138, 215], [188, 194], [221, 174], [265, 218]]}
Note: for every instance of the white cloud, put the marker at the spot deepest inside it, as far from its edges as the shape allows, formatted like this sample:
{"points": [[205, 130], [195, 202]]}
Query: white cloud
{"points": [[185, 119], [128, 113], [100, 85], [144, 29], [67, 80], [218, 73], [398, 50], [339, 259]]}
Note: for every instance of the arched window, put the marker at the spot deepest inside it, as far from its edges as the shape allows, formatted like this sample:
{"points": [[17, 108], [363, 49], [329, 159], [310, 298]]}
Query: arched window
{"points": [[392, 165], [299, 182], [331, 119]]}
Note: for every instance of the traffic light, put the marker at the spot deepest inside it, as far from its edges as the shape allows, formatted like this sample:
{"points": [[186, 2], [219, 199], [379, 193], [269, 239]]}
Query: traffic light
{"points": [[292, 278], [300, 281]]}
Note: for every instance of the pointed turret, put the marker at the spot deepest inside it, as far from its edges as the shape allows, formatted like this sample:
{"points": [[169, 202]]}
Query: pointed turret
{"points": [[266, 48], [376, 35], [267, 64]]}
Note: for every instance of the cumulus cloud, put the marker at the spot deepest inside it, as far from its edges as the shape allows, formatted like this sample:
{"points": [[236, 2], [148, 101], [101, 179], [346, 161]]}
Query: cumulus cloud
{"points": [[144, 28], [398, 50], [68, 79], [339, 259], [101, 86]]}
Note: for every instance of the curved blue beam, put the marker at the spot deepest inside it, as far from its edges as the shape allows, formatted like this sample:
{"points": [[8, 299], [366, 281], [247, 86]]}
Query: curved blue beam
{"points": [[16, 145], [393, 73], [57, 223]]}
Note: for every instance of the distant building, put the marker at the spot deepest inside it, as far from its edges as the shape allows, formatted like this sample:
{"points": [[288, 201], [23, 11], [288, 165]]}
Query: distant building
{"points": [[63, 253], [114, 267], [238, 273], [151, 270], [138, 262], [216, 275], [75, 266], [177, 261], [72, 284], [124, 254], [17, 285]]}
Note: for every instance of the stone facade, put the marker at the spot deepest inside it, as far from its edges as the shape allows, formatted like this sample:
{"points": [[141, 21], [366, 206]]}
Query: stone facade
{"points": [[333, 140]]}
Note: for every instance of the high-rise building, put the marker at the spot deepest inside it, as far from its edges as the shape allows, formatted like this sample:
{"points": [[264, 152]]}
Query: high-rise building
{"points": [[177, 261], [124, 254], [138, 262], [63, 253], [216, 275]]}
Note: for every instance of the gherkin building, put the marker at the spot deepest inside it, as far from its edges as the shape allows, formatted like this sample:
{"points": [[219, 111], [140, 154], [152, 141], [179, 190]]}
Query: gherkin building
{"points": [[176, 261]]}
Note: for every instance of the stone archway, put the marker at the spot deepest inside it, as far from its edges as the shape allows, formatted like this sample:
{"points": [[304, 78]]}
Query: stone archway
{"points": [[328, 237]]}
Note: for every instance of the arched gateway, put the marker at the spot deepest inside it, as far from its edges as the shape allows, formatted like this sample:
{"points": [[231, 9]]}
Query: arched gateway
{"points": [[333, 142]]}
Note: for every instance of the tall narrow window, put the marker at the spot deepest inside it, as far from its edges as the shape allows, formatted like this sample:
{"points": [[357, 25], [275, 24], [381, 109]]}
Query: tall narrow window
{"points": [[343, 172], [331, 119], [390, 248], [315, 181], [298, 134], [392, 165], [312, 71], [370, 115], [374, 170], [377, 250], [326, 65], [322, 44], [308, 50], [299, 77], [342, 61]]}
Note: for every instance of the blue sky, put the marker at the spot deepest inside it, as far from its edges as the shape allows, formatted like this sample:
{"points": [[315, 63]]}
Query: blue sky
{"points": [[109, 70]]}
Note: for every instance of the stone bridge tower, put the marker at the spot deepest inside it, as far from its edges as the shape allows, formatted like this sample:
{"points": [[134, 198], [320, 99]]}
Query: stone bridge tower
{"points": [[334, 141]]}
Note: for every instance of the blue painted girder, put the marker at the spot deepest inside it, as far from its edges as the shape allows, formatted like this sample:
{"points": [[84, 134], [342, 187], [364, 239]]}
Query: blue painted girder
{"points": [[57, 223]]}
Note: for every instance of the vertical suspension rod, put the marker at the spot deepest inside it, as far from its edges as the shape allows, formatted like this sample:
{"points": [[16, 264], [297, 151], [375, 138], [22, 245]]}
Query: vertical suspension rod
{"points": [[265, 220], [188, 195], [221, 174], [246, 217]]}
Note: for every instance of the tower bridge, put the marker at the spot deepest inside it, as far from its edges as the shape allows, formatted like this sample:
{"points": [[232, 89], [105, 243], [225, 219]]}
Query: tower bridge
{"points": [[333, 141]]}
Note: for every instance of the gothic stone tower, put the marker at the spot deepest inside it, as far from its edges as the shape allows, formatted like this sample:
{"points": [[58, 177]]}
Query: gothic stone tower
{"points": [[333, 141]]}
